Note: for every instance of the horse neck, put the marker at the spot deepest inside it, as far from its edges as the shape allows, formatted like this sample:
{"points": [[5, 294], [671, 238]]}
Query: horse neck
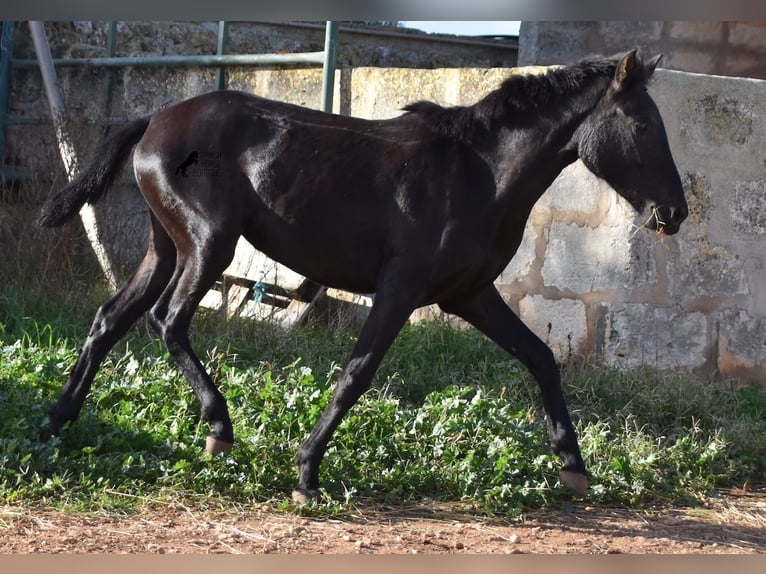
{"points": [[531, 154]]}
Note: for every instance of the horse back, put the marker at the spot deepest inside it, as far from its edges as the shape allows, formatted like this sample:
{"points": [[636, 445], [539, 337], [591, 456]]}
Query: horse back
{"points": [[330, 196]]}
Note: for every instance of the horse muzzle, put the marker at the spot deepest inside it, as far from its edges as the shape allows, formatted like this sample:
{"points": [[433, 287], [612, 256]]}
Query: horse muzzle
{"points": [[667, 220]]}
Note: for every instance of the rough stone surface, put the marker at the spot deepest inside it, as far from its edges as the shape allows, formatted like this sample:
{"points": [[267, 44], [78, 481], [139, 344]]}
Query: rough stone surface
{"points": [[704, 47], [637, 335], [521, 264], [575, 190], [701, 268], [748, 210], [741, 342], [712, 122], [583, 260], [562, 324]]}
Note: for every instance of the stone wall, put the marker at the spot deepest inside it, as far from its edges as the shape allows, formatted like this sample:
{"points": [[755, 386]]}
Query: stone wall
{"points": [[587, 279], [706, 47]]}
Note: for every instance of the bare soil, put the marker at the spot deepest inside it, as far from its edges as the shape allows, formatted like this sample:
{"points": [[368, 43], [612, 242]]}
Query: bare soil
{"points": [[729, 522]]}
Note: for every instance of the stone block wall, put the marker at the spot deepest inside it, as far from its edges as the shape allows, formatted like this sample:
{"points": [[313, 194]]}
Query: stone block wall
{"points": [[733, 48]]}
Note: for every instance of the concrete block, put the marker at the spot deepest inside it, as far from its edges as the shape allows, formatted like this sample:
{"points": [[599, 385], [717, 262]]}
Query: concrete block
{"points": [[636, 335], [748, 210], [690, 58], [698, 195], [560, 323], [551, 43], [711, 123], [748, 35], [522, 262], [382, 93], [702, 268], [575, 189], [583, 260], [741, 344], [706, 33]]}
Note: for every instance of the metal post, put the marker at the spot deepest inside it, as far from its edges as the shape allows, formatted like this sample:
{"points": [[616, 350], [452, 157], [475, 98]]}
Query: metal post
{"points": [[111, 43], [328, 76], [111, 39], [68, 155], [223, 37], [6, 53]]}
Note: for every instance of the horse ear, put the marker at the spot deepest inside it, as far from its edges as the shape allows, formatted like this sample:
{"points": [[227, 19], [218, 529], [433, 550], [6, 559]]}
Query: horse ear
{"points": [[651, 65], [628, 70]]}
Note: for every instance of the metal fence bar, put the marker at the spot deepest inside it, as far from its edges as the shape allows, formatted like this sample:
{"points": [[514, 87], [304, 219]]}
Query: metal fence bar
{"points": [[6, 45], [111, 39], [64, 141], [326, 59], [314, 58]]}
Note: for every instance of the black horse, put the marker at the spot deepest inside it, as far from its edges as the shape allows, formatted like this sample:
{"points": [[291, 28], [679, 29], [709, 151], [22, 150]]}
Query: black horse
{"points": [[426, 208]]}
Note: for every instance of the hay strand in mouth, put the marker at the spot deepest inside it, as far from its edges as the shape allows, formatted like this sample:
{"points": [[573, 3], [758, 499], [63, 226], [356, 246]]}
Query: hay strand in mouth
{"points": [[653, 216]]}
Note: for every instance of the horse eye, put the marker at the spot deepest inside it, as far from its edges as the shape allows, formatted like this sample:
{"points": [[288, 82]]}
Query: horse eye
{"points": [[641, 126]]}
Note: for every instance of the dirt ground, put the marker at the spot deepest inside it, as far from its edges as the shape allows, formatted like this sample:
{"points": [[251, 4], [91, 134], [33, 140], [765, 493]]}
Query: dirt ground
{"points": [[729, 522]]}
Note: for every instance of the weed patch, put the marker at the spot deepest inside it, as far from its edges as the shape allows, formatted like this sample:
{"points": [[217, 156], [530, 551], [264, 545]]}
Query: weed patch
{"points": [[477, 437]]}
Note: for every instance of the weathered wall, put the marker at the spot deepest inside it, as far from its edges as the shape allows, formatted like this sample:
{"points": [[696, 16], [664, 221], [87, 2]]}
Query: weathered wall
{"points": [[705, 47], [586, 279]]}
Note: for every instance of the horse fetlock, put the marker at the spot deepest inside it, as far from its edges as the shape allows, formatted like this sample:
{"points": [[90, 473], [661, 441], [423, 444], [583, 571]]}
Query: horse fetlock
{"points": [[302, 496], [48, 433], [574, 481], [59, 416], [215, 445]]}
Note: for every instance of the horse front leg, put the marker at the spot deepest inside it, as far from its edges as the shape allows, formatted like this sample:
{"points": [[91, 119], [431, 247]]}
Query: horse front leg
{"points": [[491, 315], [390, 311]]}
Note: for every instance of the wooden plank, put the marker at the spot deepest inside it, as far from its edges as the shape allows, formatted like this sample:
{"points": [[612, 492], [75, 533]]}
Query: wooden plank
{"points": [[255, 286], [258, 287]]}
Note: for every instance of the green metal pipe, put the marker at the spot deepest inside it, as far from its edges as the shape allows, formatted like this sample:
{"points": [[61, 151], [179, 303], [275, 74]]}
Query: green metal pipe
{"points": [[6, 55], [329, 60], [314, 58], [223, 38], [111, 38]]}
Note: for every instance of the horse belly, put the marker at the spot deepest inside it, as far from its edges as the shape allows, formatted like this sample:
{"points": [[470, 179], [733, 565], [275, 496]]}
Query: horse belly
{"points": [[350, 263]]}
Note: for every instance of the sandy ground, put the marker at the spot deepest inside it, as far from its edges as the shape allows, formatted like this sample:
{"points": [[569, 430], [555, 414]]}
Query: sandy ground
{"points": [[729, 522]]}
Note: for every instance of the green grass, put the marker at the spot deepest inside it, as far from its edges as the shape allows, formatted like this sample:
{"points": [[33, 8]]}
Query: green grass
{"points": [[450, 417]]}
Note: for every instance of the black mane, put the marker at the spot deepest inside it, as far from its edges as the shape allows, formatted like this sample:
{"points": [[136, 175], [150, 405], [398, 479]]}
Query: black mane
{"points": [[518, 93]]}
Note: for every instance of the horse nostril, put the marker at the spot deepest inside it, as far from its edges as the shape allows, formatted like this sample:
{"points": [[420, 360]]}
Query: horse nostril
{"points": [[678, 214]]}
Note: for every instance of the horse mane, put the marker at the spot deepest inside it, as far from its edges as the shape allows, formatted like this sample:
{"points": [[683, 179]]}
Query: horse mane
{"points": [[517, 94]]}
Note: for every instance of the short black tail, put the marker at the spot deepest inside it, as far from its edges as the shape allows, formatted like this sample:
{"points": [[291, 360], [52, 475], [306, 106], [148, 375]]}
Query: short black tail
{"points": [[91, 183]]}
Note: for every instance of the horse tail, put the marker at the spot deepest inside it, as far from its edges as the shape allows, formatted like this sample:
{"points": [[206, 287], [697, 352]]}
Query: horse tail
{"points": [[91, 183]]}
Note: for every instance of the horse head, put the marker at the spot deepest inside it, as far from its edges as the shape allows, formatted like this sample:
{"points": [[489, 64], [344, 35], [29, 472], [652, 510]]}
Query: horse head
{"points": [[624, 142]]}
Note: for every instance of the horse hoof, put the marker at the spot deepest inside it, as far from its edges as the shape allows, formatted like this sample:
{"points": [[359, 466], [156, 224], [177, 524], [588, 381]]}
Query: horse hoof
{"points": [[575, 481], [302, 497], [214, 446]]}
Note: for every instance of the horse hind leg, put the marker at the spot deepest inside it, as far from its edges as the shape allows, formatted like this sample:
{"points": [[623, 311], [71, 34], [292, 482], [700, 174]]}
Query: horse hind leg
{"points": [[112, 321], [200, 262]]}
